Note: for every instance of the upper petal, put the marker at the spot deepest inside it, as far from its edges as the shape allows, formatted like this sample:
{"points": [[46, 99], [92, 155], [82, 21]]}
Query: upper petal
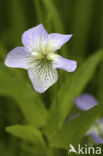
{"points": [[18, 58], [85, 101], [35, 38], [42, 75], [56, 41], [65, 64]]}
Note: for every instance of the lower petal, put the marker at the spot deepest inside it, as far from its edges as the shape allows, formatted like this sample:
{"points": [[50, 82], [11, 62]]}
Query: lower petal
{"points": [[42, 75], [65, 64], [18, 58]]}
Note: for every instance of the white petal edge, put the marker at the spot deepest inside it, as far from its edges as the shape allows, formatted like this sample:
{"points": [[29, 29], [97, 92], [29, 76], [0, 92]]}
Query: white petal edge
{"points": [[35, 38], [42, 78], [65, 64], [18, 58], [56, 41]]}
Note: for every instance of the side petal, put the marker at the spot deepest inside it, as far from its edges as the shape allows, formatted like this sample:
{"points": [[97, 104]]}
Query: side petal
{"points": [[35, 38], [56, 41], [18, 58], [42, 76], [65, 64], [85, 102]]}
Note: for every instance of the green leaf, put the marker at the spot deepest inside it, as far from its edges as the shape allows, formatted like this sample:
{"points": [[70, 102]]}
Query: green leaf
{"points": [[27, 133], [100, 73], [100, 81], [72, 87], [2, 52], [14, 85], [76, 128], [77, 82], [3, 150]]}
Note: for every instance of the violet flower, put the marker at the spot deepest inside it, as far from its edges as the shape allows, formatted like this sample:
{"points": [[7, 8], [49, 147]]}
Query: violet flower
{"points": [[85, 102], [39, 58]]}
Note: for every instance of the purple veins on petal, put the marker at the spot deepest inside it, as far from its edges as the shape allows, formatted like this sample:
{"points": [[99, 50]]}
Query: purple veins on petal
{"points": [[42, 76], [39, 58], [85, 101]]}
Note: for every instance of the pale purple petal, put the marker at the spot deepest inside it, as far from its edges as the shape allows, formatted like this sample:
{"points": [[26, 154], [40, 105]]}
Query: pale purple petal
{"points": [[18, 58], [42, 76], [35, 38], [85, 102], [97, 138], [56, 41], [65, 64]]}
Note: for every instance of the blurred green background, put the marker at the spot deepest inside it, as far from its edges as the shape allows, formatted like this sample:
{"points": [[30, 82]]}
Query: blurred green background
{"points": [[83, 19]]}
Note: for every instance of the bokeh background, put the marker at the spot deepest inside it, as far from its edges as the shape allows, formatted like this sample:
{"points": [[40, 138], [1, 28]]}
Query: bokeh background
{"points": [[82, 18]]}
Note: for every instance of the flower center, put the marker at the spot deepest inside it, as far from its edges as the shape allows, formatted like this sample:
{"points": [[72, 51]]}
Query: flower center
{"points": [[45, 56]]}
